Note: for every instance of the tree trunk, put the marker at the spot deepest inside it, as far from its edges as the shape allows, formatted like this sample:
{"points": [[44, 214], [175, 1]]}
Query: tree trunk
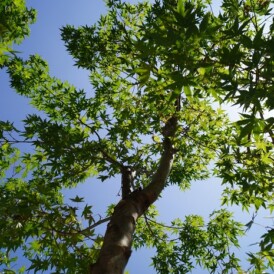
{"points": [[116, 248]]}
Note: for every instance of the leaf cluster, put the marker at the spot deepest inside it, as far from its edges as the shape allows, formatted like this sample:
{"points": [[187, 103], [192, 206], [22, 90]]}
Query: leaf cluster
{"points": [[14, 25]]}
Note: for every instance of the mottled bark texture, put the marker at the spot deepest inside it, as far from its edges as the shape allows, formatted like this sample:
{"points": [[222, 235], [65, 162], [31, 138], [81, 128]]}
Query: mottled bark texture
{"points": [[116, 248], [127, 180]]}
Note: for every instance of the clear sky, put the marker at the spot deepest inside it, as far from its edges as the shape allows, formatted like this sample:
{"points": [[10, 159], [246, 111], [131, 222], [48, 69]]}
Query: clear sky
{"points": [[45, 40]]}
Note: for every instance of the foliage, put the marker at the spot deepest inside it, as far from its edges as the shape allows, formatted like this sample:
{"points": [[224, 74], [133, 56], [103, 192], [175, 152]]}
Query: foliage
{"points": [[150, 64], [14, 25]]}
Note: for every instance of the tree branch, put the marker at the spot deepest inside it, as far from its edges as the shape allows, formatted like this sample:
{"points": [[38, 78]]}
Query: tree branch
{"points": [[127, 180], [106, 156]]}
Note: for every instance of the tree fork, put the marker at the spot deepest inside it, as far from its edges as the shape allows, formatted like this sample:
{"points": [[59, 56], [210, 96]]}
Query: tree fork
{"points": [[116, 248]]}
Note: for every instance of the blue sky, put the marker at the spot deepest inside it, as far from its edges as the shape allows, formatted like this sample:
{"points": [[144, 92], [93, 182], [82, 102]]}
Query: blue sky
{"points": [[45, 40]]}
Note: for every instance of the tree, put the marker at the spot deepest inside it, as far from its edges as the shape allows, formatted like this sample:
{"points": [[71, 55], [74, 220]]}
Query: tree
{"points": [[156, 70]]}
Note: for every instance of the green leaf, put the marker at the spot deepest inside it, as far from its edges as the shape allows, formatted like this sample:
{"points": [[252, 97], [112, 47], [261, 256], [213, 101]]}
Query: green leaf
{"points": [[77, 199], [181, 7], [188, 92]]}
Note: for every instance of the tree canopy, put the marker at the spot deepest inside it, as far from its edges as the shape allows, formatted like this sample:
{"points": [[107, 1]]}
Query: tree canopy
{"points": [[160, 73]]}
